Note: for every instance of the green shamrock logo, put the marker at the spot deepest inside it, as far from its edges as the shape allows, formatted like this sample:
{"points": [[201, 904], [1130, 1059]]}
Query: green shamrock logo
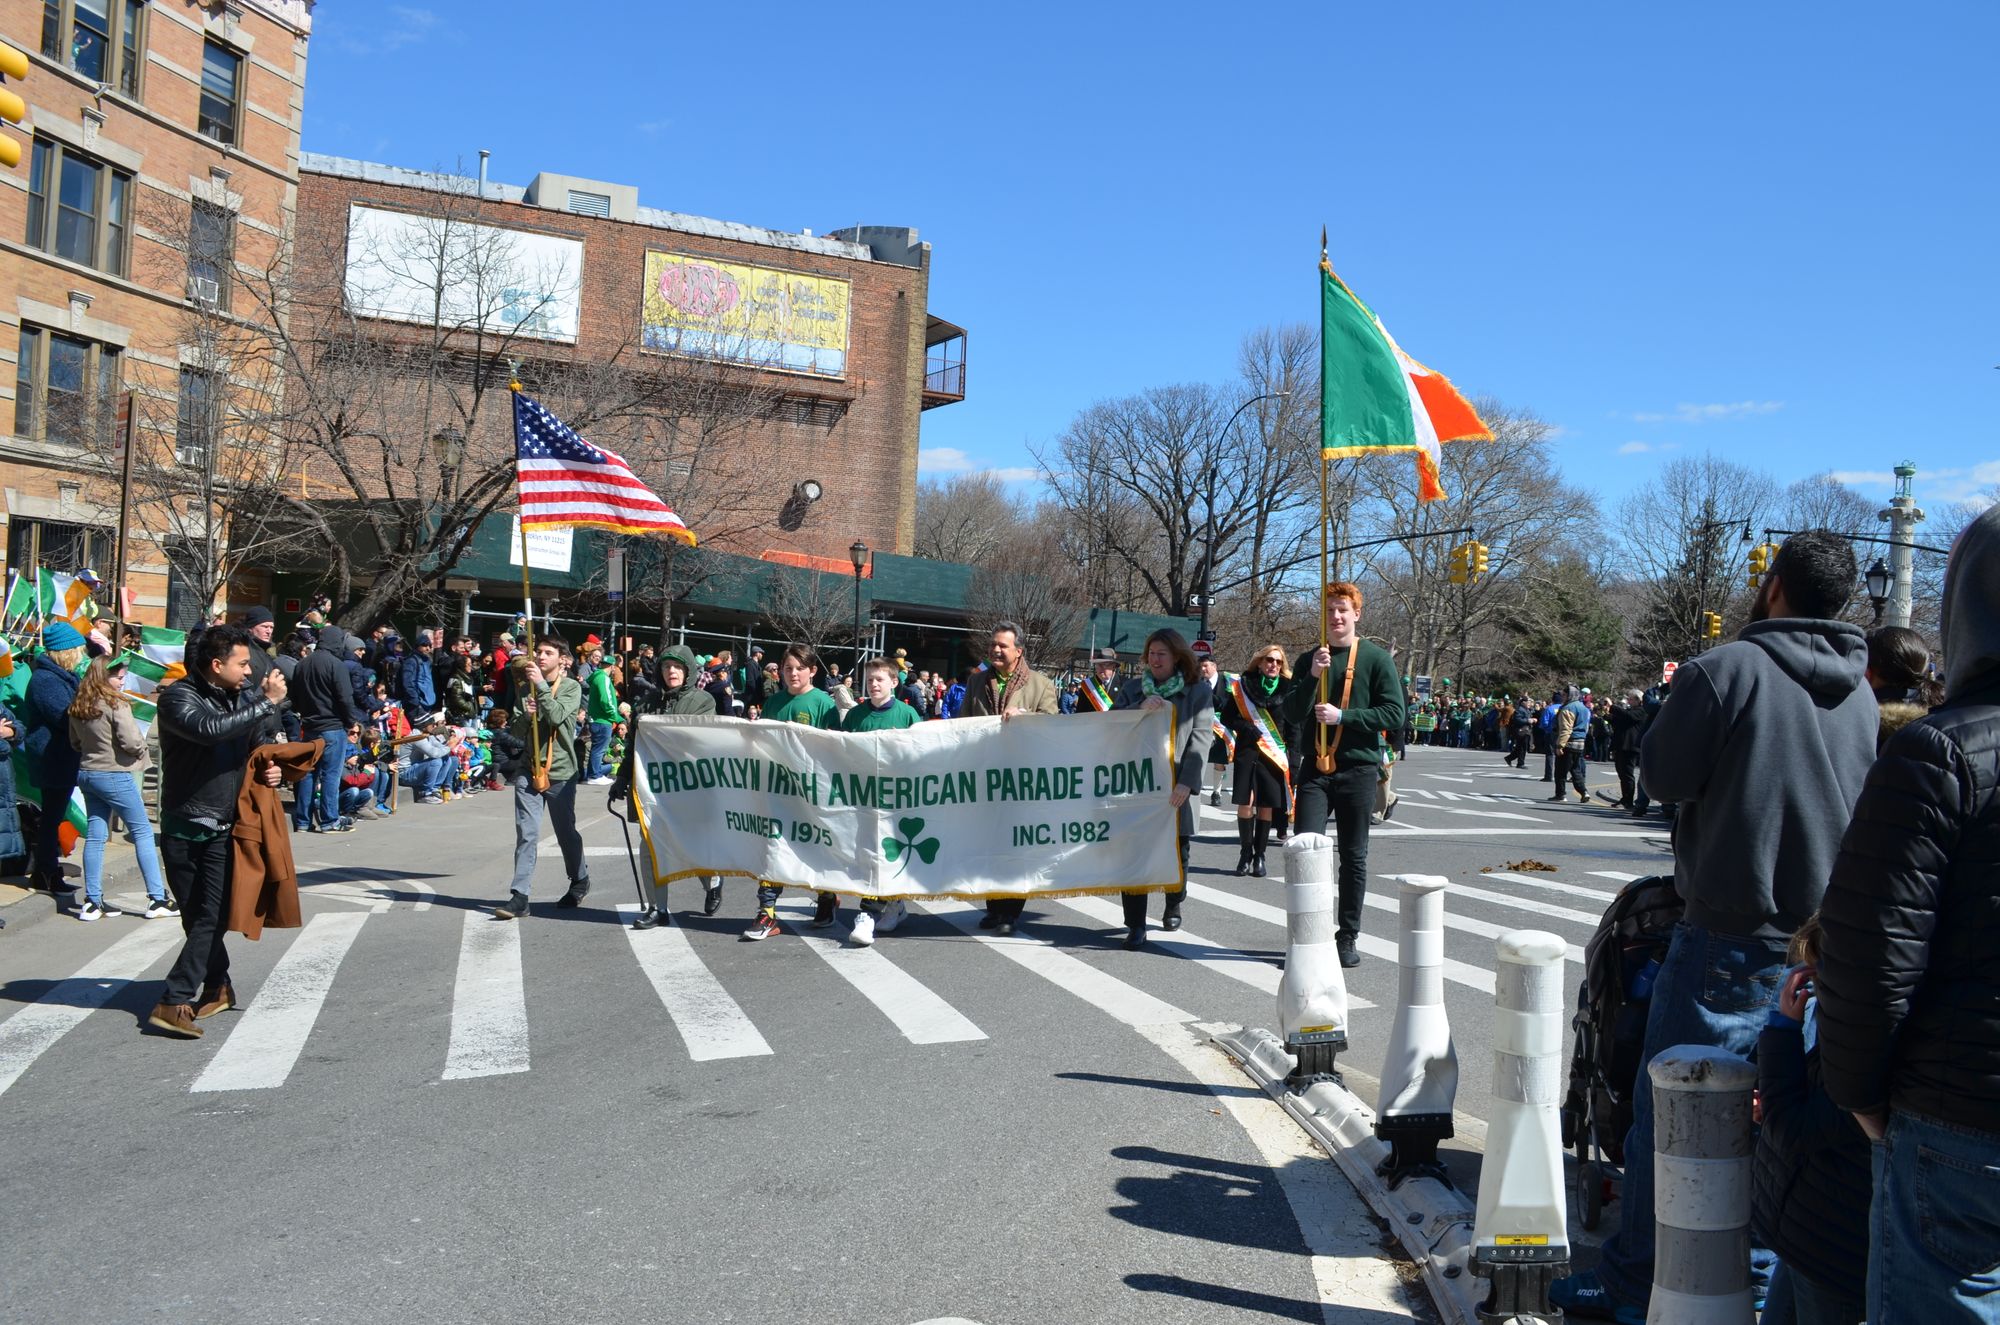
{"points": [[903, 846]]}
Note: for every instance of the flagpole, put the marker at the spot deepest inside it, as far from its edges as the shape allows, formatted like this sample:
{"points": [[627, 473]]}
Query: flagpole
{"points": [[1325, 509], [527, 601]]}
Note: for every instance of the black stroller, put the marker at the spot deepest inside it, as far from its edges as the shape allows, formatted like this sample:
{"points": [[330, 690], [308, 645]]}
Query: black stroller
{"points": [[1619, 965]]}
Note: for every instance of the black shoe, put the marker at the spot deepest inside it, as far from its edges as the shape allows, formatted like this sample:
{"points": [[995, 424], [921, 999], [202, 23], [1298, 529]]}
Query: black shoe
{"points": [[1257, 870], [989, 921], [515, 908], [825, 910], [711, 898], [1243, 864], [1349, 954], [1004, 928], [1172, 919], [578, 890], [1135, 939]]}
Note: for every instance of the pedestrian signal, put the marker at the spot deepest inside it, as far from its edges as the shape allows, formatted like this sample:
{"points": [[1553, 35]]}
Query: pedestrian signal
{"points": [[1461, 564], [13, 64]]}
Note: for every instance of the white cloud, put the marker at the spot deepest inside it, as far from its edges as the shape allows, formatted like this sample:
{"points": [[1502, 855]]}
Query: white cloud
{"points": [[942, 460], [1979, 484], [1016, 473], [1635, 448], [408, 27], [1864, 478], [1688, 413]]}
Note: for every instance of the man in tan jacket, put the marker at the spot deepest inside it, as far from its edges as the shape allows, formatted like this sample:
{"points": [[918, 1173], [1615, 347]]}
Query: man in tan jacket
{"points": [[1007, 688]]}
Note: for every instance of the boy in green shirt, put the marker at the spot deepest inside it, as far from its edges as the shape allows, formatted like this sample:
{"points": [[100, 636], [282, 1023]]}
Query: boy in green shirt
{"points": [[551, 703], [802, 701], [878, 711]]}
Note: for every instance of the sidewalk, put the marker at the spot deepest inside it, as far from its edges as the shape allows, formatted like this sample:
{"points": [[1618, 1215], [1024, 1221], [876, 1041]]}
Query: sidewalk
{"points": [[21, 906]]}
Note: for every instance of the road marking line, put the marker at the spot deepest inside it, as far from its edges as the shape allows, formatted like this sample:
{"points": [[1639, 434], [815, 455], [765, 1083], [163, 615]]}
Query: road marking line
{"points": [[1527, 904], [918, 1013], [28, 1033], [1112, 996], [1446, 777], [1397, 830], [1234, 963], [489, 1004], [1618, 876], [551, 847], [712, 1024], [265, 1043], [1595, 894], [1458, 972]]}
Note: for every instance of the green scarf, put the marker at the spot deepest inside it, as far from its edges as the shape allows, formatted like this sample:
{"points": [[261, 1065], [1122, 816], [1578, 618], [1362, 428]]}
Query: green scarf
{"points": [[1269, 684], [1167, 689]]}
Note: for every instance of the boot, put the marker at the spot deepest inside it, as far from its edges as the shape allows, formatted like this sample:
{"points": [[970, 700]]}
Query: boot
{"points": [[1262, 839], [1172, 919], [1135, 920], [1244, 840]]}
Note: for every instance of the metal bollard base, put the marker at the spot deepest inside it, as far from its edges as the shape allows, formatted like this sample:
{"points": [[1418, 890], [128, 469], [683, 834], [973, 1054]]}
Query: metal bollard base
{"points": [[646, 919], [1520, 1289], [1315, 1056], [1413, 1147]]}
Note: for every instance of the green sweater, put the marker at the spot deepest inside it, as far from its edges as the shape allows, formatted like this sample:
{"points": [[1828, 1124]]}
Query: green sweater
{"points": [[1375, 706], [815, 708], [603, 696], [865, 717], [557, 712]]}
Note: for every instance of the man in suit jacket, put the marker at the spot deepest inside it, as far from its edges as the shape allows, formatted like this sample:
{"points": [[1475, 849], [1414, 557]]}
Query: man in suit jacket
{"points": [[1007, 688]]}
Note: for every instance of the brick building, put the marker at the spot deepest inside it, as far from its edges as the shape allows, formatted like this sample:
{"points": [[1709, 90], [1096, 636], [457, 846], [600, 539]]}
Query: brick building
{"points": [[160, 166], [825, 340]]}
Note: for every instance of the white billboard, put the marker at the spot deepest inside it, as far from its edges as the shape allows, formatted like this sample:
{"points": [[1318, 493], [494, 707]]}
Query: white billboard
{"points": [[411, 268]]}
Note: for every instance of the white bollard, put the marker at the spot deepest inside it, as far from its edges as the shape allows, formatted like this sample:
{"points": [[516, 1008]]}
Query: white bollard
{"points": [[1420, 1070], [1520, 1240], [1312, 994], [1702, 1147]]}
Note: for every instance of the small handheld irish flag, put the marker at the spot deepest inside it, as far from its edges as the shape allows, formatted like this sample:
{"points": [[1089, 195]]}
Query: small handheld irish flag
{"points": [[1375, 398]]}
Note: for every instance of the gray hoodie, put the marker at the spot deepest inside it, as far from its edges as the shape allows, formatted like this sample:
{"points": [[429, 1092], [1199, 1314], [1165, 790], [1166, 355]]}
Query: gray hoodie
{"points": [[1970, 625], [1764, 743]]}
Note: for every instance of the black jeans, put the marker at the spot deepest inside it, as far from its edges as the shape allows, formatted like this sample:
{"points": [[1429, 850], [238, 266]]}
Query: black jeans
{"points": [[1347, 795], [1570, 765], [1135, 903], [1627, 764], [198, 874]]}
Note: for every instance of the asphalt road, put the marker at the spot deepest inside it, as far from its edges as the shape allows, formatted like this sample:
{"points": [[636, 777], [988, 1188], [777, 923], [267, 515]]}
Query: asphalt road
{"points": [[427, 1114]]}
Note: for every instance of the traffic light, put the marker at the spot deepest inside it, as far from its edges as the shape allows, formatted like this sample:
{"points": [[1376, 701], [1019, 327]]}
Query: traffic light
{"points": [[1712, 625], [1760, 562], [1478, 561], [13, 64], [1461, 564]]}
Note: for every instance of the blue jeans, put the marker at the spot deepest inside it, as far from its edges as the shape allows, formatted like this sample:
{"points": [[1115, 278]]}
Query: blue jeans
{"points": [[321, 789], [1795, 1299], [428, 775], [600, 741], [1935, 1225], [102, 794], [1715, 990]]}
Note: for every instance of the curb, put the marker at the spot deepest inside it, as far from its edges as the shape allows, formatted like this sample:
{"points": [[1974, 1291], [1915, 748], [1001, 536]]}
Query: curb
{"points": [[1431, 1220]]}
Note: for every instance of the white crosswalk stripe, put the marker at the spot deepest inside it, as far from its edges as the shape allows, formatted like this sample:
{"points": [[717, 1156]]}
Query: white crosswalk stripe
{"points": [[1534, 881], [919, 1014], [1528, 904], [1231, 962], [1458, 972], [1617, 875], [271, 1031], [711, 1023], [1110, 995], [27, 1034], [489, 1004]]}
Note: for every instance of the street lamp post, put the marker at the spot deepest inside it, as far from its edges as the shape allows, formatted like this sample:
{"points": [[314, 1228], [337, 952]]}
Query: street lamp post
{"points": [[1880, 581], [858, 553], [1208, 552]]}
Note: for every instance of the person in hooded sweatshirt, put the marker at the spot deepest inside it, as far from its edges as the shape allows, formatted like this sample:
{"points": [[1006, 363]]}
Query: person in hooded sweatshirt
{"points": [[324, 701], [680, 694], [1909, 974], [1764, 744]]}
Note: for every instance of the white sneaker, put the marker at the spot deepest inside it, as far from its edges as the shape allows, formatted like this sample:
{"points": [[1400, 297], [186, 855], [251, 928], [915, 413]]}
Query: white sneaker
{"points": [[89, 911], [892, 915], [162, 909], [599, 782], [863, 933]]}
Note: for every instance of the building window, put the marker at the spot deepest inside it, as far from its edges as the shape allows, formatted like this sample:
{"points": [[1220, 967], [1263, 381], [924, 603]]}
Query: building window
{"points": [[59, 546], [194, 424], [211, 254], [221, 90], [65, 389], [78, 208], [103, 40]]}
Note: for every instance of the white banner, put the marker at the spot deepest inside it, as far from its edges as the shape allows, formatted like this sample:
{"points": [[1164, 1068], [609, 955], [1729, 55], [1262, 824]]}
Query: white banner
{"points": [[1039, 805], [416, 268]]}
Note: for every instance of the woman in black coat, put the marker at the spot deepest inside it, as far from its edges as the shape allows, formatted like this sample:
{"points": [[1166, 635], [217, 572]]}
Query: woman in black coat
{"points": [[1250, 708]]}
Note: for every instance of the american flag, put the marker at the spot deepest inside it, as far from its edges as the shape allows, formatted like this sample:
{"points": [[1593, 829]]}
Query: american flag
{"points": [[565, 481]]}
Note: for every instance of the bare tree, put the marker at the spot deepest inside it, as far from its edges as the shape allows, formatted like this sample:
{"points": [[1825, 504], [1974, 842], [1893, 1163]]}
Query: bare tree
{"points": [[1028, 582], [965, 518], [1682, 535], [809, 607]]}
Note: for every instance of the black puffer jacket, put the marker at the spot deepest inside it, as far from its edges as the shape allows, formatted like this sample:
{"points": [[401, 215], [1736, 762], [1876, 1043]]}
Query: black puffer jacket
{"points": [[1909, 975], [206, 736], [1812, 1184]]}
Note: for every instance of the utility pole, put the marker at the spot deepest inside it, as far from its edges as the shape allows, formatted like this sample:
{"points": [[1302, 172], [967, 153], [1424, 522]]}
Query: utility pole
{"points": [[1903, 516]]}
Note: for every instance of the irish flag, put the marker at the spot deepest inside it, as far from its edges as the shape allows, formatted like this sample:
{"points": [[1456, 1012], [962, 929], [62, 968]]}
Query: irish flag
{"points": [[158, 661], [1375, 398]]}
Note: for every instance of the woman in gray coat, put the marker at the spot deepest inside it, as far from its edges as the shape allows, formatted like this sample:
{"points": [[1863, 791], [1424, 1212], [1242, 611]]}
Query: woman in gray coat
{"points": [[1172, 679]]}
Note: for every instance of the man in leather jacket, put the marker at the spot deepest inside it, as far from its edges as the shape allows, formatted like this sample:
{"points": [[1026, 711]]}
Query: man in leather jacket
{"points": [[208, 723]]}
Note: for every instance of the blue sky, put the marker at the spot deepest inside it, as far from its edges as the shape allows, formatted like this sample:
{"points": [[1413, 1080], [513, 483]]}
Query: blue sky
{"points": [[1762, 231]]}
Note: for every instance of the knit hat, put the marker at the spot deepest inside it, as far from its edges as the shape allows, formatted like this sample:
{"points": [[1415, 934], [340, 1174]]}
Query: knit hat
{"points": [[258, 616], [59, 635]]}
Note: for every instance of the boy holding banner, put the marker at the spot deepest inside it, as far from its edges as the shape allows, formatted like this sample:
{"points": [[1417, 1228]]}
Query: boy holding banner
{"points": [[878, 711], [802, 701]]}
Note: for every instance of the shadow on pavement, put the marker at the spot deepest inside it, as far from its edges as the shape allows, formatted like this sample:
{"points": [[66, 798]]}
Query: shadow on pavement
{"points": [[1266, 1304], [1209, 1200], [1173, 1087]]}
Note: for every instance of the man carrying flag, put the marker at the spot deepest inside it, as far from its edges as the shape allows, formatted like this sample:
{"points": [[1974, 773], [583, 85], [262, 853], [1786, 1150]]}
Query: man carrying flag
{"points": [[563, 481]]}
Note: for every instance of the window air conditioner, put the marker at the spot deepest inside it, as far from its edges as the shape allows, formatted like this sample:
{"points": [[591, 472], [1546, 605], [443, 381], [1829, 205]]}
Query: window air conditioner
{"points": [[205, 290]]}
